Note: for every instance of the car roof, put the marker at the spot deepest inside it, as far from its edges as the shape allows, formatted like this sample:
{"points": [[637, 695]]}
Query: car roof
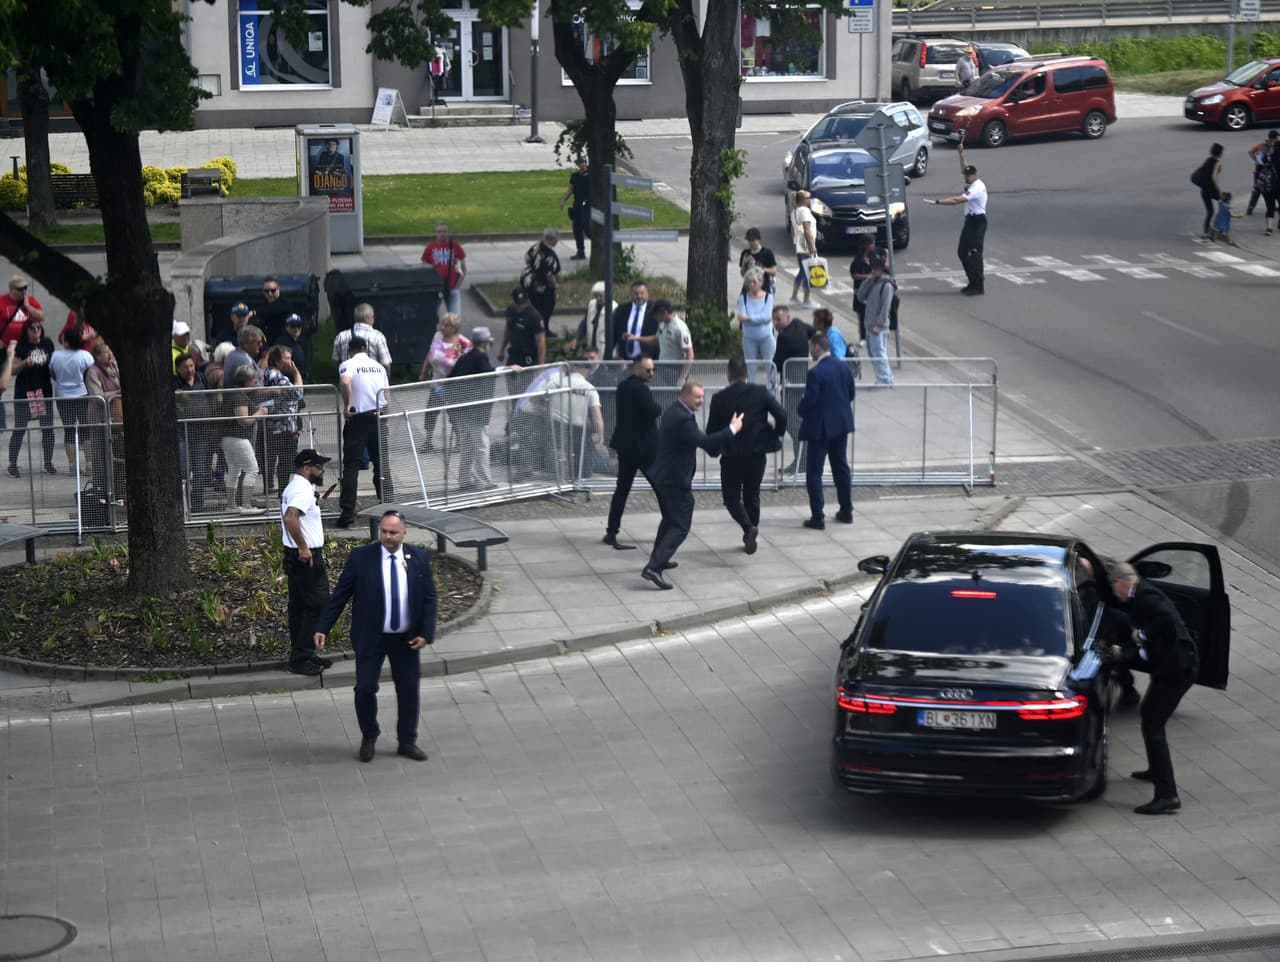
{"points": [[999, 44], [1036, 61], [958, 546]]}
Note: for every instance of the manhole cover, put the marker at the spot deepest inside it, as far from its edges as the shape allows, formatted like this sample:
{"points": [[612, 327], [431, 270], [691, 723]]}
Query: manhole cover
{"points": [[31, 936]]}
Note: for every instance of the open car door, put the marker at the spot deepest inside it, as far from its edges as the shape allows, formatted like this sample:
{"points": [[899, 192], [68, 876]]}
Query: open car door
{"points": [[1191, 575]]}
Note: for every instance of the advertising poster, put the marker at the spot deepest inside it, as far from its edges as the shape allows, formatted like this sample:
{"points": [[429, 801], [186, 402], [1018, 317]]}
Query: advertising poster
{"points": [[329, 172]]}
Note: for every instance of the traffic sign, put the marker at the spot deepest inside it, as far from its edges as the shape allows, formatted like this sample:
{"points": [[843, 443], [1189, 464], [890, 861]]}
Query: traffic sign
{"points": [[862, 20], [636, 183], [880, 132], [631, 210], [874, 181], [642, 235], [1250, 9]]}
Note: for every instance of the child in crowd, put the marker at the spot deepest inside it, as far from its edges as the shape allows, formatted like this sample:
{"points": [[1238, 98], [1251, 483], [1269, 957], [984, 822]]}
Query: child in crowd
{"points": [[1222, 219]]}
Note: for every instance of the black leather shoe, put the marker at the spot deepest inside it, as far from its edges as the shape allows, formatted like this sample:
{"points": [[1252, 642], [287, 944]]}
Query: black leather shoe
{"points": [[648, 574], [817, 524], [323, 662], [1160, 806], [668, 565], [1143, 776], [306, 668], [613, 542], [411, 751], [844, 517], [749, 539], [366, 748], [973, 292], [346, 521], [1129, 698]]}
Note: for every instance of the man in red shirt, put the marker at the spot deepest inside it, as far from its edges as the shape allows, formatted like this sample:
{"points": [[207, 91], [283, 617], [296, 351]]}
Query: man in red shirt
{"points": [[449, 259], [15, 308]]}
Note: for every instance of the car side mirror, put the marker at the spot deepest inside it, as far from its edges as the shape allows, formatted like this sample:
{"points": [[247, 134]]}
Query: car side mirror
{"points": [[875, 565], [793, 185]]}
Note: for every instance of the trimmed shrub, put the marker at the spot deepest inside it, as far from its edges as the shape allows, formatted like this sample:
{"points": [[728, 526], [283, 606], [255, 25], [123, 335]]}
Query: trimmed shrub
{"points": [[13, 192]]}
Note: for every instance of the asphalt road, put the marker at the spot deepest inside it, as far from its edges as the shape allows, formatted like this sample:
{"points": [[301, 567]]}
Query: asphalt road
{"points": [[1114, 326]]}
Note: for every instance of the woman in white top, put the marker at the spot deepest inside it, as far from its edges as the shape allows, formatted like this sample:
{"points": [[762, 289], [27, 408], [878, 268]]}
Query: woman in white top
{"points": [[755, 314], [593, 329], [68, 365]]}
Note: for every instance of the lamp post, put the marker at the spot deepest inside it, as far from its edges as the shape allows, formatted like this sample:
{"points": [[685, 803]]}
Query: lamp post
{"points": [[533, 137]]}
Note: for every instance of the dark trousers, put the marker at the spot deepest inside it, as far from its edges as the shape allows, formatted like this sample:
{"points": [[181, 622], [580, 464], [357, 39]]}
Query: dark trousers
{"points": [[21, 416], [545, 302], [406, 672], [581, 214], [1207, 197], [676, 505], [740, 488], [282, 447], [972, 237], [621, 491], [818, 453], [360, 432], [308, 591], [1158, 705]]}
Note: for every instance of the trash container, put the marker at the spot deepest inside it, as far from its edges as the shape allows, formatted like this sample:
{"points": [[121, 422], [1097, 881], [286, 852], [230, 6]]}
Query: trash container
{"points": [[299, 294], [405, 301]]}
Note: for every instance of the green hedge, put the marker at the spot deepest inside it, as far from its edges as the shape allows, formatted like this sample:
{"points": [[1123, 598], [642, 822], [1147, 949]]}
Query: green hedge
{"points": [[159, 185], [1129, 56]]}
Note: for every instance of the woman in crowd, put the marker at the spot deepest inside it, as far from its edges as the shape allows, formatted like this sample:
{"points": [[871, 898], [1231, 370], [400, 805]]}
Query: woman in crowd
{"points": [[593, 329], [32, 393], [755, 314], [103, 381], [69, 364], [284, 426], [241, 414], [446, 347]]}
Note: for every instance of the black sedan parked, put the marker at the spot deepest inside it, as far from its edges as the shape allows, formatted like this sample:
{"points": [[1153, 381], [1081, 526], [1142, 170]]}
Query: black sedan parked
{"points": [[976, 667], [844, 204]]}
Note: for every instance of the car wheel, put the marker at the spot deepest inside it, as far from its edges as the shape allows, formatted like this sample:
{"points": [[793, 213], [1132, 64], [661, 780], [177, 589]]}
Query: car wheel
{"points": [[1235, 117], [1098, 784], [1094, 126], [903, 237], [994, 134], [922, 163]]}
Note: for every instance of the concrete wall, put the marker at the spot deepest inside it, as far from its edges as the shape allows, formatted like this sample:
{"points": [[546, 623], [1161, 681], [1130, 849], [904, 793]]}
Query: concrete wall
{"points": [[250, 236]]}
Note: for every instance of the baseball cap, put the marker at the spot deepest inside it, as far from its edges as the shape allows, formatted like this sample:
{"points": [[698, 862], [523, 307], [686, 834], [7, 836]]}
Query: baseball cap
{"points": [[180, 328], [293, 320], [310, 456], [519, 296], [1273, 134], [242, 308], [481, 335], [970, 169]]}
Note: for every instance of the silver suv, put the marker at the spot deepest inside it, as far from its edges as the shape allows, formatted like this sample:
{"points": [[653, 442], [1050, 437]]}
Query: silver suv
{"points": [[926, 67], [842, 124]]}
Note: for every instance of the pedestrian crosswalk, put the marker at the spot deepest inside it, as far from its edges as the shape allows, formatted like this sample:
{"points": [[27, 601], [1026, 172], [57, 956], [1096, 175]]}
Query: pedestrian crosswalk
{"points": [[1088, 268]]}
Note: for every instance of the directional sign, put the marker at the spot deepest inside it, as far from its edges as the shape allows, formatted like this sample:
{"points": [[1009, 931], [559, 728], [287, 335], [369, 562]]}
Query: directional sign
{"points": [[880, 125], [1250, 9], [861, 15], [597, 215], [641, 236], [875, 184], [637, 183], [630, 210]]}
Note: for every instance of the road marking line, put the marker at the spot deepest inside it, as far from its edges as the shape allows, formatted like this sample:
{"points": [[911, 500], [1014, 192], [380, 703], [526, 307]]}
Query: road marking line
{"points": [[1219, 257], [1106, 260], [1142, 273], [1178, 327], [1257, 270], [1081, 275], [1020, 279], [1047, 261], [1195, 271]]}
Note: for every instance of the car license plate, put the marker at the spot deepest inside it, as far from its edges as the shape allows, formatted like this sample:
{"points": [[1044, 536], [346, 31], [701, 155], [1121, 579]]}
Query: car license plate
{"points": [[978, 721], [938, 125], [862, 229], [946, 74]]}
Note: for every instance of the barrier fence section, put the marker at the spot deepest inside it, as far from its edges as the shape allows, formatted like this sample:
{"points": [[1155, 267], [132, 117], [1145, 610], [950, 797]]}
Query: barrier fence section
{"points": [[235, 447]]}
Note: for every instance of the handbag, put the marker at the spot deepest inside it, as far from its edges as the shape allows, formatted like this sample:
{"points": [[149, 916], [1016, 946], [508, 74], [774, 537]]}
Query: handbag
{"points": [[818, 276]]}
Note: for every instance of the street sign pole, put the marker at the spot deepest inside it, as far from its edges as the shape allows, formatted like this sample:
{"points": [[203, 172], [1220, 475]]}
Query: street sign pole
{"points": [[884, 194], [609, 190], [1231, 37]]}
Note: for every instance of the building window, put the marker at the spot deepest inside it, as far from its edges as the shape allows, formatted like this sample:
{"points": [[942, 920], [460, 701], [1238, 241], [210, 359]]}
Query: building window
{"points": [[596, 48], [794, 58], [268, 61]]}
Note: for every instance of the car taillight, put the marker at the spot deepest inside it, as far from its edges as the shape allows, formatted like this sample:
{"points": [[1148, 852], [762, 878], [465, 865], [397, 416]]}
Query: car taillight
{"points": [[862, 704], [924, 54], [973, 593], [1062, 709]]}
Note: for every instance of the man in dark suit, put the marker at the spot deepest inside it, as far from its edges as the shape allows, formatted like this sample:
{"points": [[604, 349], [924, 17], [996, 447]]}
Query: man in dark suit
{"points": [[679, 438], [635, 440], [393, 614], [632, 321], [793, 342], [742, 460], [826, 421], [1160, 643]]}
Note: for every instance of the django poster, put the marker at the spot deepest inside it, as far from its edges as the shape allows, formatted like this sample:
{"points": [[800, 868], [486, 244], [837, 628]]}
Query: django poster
{"points": [[329, 172]]}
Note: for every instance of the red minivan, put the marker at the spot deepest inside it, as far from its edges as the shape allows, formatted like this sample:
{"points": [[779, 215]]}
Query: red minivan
{"points": [[1033, 95]]}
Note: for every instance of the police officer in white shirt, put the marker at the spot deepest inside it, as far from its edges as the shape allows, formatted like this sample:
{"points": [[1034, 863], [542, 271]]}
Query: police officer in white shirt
{"points": [[375, 341], [304, 564], [974, 232], [362, 381]]}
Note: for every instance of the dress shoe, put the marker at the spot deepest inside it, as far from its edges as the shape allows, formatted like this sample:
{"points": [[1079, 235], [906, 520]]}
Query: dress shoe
{"points": [[668, 565], [1129, 698], [749, 539], [1143, 776], [1160, 806], [346, 521], [366, 748], [648, 574], [578, 257], [323, 662], [973, 291], [844, 517], [613, 542], [307, 667], [411, 751], [817, 524]]}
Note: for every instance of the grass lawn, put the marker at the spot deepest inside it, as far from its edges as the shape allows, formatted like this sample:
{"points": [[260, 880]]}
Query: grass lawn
{"points": [[91, 233], [1177, 83]]}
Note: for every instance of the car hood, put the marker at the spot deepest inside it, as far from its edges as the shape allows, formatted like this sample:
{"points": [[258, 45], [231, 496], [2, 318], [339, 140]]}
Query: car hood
{"points": [[898, 668], [949, 105], [1220, 87]]}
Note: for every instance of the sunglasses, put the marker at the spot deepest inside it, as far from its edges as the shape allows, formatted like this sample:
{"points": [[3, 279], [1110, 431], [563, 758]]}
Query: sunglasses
{"points": [[19, 287], [271, 290]]}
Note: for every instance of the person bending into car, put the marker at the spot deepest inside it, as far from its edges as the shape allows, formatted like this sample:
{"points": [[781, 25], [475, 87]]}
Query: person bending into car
{"points": [[1160, 641]]}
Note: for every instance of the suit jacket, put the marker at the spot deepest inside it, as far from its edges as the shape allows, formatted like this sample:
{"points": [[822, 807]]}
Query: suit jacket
{"points": [[755, 404], [826, 410], [1169, 646], [361, 583], [649, 326], [679, 438], [635, 432]]}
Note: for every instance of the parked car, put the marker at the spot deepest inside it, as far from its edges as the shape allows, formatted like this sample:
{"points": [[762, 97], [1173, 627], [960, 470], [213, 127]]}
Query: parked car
{"points": [[1248, 95], [977, 668], [843, 123], [993, 53], [1043, 95], [843, 203], [925, 67]]}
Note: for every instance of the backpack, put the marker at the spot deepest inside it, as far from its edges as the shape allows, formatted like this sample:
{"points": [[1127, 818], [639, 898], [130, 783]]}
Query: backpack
{"points": [[534, 276], [1200, 176]]}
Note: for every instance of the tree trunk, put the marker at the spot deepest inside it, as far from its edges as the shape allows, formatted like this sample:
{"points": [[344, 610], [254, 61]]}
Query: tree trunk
{"points": [[134, 312], [710, 65], [35, 134]]}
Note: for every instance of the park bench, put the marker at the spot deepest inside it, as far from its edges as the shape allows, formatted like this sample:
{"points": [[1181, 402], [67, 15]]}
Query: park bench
{"points": [[460, 529], [9, 533], [202, 181], [71, 189]]}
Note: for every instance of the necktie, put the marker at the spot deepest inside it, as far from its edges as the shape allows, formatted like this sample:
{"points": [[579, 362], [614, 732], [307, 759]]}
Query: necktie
{"points": [[395, 594], [635, 328]]}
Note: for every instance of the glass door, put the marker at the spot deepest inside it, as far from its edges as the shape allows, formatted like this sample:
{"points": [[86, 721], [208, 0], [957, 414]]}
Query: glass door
{"points": [[488, 61], [474, 59]]}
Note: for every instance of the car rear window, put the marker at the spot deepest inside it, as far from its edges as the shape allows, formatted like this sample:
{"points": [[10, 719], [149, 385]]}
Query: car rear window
{"points": [[1072, 80], [944, 53], [839, 128], [967, 616], [998, 55]]}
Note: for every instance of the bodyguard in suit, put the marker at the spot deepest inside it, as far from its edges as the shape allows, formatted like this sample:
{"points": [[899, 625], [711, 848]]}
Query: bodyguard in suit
{"points": [[742, 460], [679, 438], [1161, 643], [634, 320], [826, 421], [393, 614], [635, 440]]}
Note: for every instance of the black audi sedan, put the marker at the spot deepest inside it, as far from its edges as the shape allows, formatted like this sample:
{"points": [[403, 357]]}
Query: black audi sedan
{"points": [[976, 667]]}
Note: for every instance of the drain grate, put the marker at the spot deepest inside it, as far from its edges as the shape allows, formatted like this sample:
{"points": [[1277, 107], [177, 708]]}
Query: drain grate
{"points": [[1211, 948], [31, 936]]}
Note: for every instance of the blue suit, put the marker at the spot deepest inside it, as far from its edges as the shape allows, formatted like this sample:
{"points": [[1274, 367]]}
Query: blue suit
{"points": [[361, 583], [826, 413]]}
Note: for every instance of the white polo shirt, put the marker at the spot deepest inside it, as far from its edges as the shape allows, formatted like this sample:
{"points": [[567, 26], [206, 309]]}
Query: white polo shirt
{"points": [[673, 339], [301, 494], [368, 378], [975, 198]]}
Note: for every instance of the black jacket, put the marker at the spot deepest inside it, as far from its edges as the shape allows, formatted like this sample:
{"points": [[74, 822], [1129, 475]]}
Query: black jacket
{"points": [[635, 432], [475, 361], [649, 326], [793, 341], [679, 438], [1170, 649], [755, 404]]}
